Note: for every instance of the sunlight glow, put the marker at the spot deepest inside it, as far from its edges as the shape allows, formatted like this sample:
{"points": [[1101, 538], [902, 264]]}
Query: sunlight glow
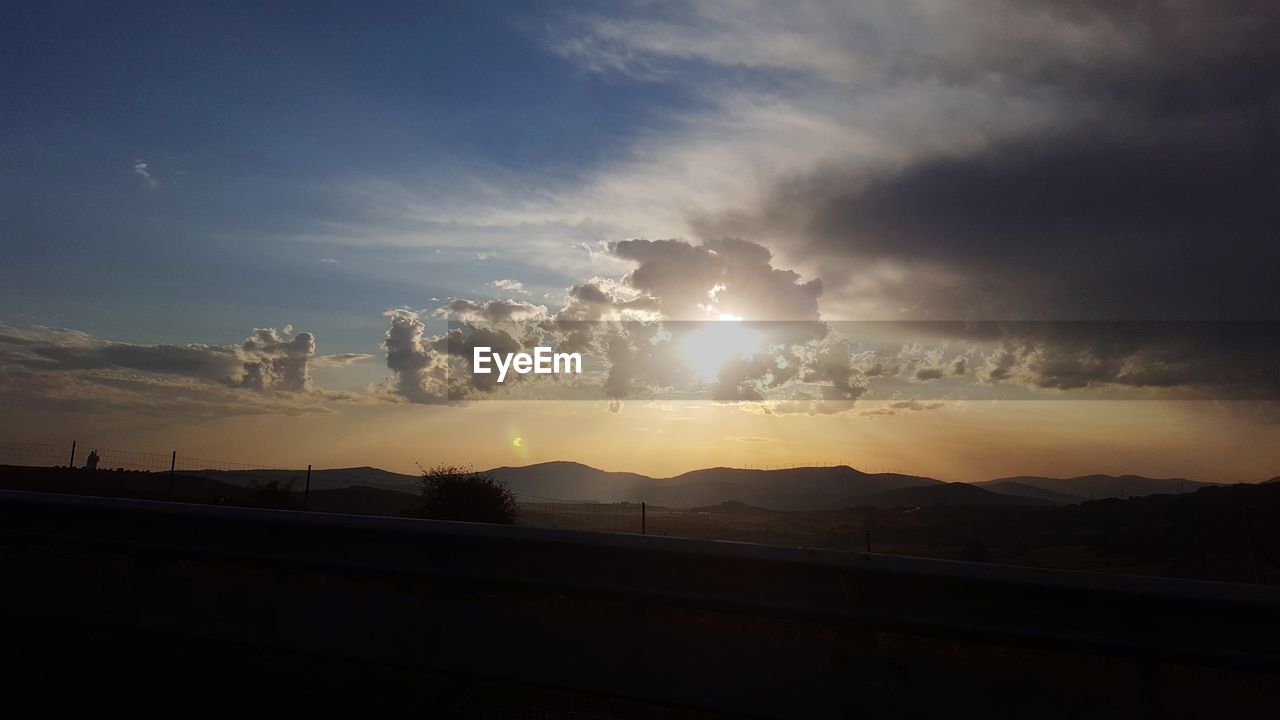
{"points": [[707, 349]]}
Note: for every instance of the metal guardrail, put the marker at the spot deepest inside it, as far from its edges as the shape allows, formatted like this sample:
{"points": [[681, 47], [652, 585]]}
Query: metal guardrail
{"points": [[721, 625]]}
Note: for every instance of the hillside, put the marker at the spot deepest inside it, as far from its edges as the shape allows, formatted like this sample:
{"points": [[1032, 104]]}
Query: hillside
{"points": [[320, 479], [953, 494], [1021, 489], [563, 480], [812, 488], [1098, 487]]}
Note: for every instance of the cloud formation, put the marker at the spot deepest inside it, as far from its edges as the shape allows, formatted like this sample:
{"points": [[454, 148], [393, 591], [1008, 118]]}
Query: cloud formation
{"points": [[512, 286], [635, 334], [69, 369], [1127, 171]]}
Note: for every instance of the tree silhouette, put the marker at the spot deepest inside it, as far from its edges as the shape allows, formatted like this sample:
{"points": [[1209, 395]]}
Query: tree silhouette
{"points": [[454, 493]]}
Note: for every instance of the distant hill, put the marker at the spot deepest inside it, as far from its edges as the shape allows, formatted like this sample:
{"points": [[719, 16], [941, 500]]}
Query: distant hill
{"points": [[1021, 489], [956, 493], [1097, 487], [363, 501], [320, 479], [1275, 479], [573, 481], [806, 488], [812, 488]]}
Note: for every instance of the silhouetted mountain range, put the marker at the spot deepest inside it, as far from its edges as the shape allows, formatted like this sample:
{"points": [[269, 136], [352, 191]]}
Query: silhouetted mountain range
{"points": [[956, 493], [326, 478], [813, 488], [806, 488], [1021, 489], [1097, 487]]}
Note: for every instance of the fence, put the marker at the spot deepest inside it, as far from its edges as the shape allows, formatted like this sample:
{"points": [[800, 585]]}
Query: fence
{"points": [[369, 491], [1217, 537], [578, 515]]}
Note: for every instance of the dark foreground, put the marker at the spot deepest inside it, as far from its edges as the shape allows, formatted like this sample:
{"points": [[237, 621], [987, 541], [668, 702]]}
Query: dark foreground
{"points": [[193, 610]]}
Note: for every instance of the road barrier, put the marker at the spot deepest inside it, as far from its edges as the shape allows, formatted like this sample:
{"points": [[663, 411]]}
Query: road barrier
{"points": [[778, 632]]}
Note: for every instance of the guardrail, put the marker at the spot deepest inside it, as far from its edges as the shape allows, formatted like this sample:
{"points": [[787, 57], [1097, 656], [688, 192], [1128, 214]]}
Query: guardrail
{"points": [[720, 625]]}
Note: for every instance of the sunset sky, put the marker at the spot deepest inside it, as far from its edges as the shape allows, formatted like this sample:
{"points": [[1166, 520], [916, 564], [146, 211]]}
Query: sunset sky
{"points": [[242, 229]]}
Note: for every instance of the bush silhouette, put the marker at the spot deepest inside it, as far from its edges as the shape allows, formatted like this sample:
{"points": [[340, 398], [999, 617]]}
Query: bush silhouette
{"points": [[454, 493], [273, 493]]}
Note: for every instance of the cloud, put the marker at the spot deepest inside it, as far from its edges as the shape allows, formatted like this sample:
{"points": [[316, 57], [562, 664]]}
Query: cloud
{"points": [[1221, 360], [717, 278], [56, 368], [417, 360], [329, 261], [340, 359], [750, 439], [461, 310], [632, 335], [513, 286], [670, 279], [1100, 162], [146, 182], [276, 361]]}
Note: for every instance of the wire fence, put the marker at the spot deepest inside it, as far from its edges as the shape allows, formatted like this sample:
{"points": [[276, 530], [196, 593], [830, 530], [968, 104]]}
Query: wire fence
{"points": [[127, 473], [1222, 541], [624, 517]]}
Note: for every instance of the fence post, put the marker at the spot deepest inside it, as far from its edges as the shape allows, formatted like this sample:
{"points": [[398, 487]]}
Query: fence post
{"points": [[173, 464], [642, 518], [306, 495], [71, 466]]}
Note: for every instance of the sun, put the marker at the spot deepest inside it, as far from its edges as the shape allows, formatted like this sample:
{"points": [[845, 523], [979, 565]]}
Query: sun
{"points": [[707, 349]]}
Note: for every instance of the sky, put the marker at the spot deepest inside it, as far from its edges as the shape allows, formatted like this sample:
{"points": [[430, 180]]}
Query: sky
{"points": [[242, 229]]}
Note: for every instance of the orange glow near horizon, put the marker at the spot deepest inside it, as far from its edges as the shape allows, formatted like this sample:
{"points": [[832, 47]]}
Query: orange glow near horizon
{"points": [[965, 441]]}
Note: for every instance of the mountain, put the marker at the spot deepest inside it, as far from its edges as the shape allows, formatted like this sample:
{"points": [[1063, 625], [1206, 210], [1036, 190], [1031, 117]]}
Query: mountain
{"points": [[806, 488], [811, 488], [1021, 489], [573, 481], [1091, 487], [360, 500], [320, 479], [1275, 479], [956, 493]]}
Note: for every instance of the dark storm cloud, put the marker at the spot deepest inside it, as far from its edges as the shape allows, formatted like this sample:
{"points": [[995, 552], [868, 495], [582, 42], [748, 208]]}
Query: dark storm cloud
{"points": [[1151, 193], [1228, 360], [1079, 227]]}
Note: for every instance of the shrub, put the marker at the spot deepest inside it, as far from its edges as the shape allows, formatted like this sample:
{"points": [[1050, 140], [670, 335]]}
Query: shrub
{"points": [[454, 493], [273, 493]]}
